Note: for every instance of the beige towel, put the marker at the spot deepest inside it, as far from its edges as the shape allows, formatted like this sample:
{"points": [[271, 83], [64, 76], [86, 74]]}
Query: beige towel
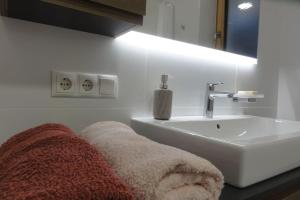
{"points": [[153, 170]]}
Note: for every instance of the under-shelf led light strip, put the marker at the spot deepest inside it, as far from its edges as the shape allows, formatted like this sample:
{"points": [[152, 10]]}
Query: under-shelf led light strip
{"points": [[160, 44]]}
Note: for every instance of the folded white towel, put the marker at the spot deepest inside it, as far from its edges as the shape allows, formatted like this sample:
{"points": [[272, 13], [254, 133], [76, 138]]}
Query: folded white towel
{"points": [[153, 170]]}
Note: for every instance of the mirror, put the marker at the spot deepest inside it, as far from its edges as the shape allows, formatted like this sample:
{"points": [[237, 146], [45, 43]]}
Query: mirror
{"points": [[230, 25]]}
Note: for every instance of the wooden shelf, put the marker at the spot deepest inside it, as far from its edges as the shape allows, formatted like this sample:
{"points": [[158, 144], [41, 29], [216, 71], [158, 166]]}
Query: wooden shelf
{"points": [[133, 6], [81, 15]]}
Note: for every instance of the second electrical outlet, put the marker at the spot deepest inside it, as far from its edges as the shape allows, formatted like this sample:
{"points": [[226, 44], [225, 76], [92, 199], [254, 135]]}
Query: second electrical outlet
{"points": [[89, 85]]}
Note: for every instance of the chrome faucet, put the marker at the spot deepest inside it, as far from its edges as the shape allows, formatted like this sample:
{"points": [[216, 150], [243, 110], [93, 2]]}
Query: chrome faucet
{"points": [[210, 96]]}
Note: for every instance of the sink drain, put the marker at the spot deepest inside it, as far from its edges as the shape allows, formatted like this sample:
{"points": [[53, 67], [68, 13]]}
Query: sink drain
{"points": [[218, 126]]}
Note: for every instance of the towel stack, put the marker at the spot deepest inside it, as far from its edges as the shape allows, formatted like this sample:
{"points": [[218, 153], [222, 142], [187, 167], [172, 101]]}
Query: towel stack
{"points": [[112, 163], [155, 171]]}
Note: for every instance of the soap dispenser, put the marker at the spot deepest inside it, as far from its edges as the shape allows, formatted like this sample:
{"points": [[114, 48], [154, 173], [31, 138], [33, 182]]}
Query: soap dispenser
{"points": [[162, 107]]}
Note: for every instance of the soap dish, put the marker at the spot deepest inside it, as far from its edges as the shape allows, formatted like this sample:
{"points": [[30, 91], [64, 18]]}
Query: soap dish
{"points": [[247, 98]]}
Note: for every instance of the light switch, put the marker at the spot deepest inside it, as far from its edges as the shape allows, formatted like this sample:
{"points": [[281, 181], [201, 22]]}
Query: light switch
{"points": [[108, 86]]}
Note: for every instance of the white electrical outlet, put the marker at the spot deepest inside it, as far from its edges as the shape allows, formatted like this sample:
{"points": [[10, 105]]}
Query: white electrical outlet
{"points": [[71, 84], [64, 84], [89, 85]]}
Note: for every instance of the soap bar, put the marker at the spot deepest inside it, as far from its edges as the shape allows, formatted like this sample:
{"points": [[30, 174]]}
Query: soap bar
{"points": [[247, 93]]}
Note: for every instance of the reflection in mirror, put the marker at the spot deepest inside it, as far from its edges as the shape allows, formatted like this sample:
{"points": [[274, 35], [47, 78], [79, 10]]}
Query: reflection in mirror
{"points": [[209, 23], [242, 27]]}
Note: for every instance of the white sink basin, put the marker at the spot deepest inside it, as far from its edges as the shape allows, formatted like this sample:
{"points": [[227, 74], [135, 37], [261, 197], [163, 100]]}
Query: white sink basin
{"points": [[246, 149]]}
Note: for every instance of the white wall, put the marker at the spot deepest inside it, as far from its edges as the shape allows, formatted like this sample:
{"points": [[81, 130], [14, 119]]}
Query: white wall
{"points": [[278, 71], [29, 51], [288, 44]]}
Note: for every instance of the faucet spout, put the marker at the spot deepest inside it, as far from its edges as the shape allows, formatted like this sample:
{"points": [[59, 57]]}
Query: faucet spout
{"points": [[221, 94], [210, 96]]}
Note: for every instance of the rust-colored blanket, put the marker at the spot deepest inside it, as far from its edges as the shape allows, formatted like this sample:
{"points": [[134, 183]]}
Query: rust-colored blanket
{"points": [[51, 162]]}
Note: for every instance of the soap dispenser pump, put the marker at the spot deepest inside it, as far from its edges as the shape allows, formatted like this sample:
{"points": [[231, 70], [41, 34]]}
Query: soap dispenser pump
{"points": [[162, 107]]}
